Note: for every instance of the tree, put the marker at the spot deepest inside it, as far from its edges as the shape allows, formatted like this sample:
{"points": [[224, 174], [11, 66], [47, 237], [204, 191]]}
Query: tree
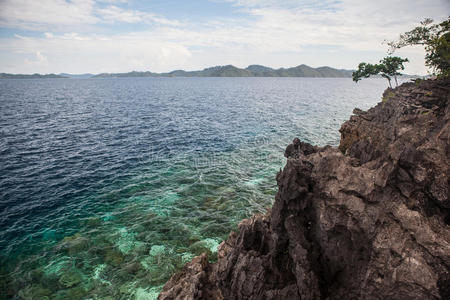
{"points": [[387, 68], [435, 38], [365, 70], [390, 66]]}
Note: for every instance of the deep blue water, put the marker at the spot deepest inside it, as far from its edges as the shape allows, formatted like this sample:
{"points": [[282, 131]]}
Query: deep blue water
{"points": [[108, 186]]}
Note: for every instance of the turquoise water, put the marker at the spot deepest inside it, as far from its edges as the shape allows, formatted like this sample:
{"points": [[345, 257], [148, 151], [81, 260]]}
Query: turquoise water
{"points": [[108, 186]]}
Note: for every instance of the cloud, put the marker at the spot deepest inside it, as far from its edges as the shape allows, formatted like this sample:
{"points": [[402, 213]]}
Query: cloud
{"points": [[286, 4], [40, 58], [62, 15], [38, 15], [116, 14], [275, 26], [114, 1], [35, 60], [353, 23], [20, 37]]}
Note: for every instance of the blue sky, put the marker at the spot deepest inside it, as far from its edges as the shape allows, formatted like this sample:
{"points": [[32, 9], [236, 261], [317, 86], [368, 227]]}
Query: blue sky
{"points": [[81, 36]]}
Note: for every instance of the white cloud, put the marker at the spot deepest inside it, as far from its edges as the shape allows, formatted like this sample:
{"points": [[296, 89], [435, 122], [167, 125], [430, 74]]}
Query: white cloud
{"points": [[286, 4], [38, 15], [114, 1], [62, 15], [40, 58], [116, 14], [353, 23], [35, 60], [74, 36], [20, 37]]}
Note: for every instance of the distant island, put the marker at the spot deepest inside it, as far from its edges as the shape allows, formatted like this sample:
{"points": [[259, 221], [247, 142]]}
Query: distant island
{"points": [[218, 71], [232, 71], [29, 76], [77, 76]]}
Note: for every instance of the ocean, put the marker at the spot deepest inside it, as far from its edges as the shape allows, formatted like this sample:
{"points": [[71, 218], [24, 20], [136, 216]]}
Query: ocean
{"points": [[109, 186]]}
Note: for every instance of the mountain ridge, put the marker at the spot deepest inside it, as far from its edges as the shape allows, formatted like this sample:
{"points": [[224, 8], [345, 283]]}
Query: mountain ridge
{"points": [[30, 76], [232, 71]]}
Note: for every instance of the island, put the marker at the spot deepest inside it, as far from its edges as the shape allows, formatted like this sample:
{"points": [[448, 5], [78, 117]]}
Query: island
{"points": [[29, 76], [250, 71]]}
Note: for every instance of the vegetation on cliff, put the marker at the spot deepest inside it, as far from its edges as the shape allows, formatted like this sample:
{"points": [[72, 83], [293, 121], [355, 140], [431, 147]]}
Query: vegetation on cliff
{"points": [[434, 37], [388, 67], [436, 40]]}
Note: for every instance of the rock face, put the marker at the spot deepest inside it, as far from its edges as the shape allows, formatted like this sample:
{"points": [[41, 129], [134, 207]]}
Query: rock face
{"points": [[367, 220]]}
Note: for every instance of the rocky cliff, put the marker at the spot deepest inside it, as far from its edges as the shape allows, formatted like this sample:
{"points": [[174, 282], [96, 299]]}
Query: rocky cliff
{"points": [[367, 220]]}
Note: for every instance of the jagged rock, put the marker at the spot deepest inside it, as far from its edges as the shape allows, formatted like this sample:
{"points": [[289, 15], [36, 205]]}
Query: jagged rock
{"points": [[189, 283], [367, 220]]}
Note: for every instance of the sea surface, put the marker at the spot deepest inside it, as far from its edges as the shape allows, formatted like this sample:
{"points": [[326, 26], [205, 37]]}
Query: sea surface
{"points": [[108, 186]]}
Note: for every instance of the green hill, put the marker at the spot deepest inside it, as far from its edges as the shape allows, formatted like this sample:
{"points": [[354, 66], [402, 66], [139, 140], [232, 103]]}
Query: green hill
{"points": [[29, 76], [232, 71]]}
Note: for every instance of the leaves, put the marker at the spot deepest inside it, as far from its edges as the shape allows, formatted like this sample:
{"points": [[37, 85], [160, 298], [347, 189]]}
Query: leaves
{"points": [[365, 70], [388, 66], [435, 38]]}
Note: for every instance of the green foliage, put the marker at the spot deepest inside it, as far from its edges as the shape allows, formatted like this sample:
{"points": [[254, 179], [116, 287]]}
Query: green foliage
{"points": [[435, 38], [388, 67], [365, 70]]}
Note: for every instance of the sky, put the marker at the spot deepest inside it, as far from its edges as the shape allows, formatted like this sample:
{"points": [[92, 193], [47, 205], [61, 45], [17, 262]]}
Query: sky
{"points": [[88, 36]]}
